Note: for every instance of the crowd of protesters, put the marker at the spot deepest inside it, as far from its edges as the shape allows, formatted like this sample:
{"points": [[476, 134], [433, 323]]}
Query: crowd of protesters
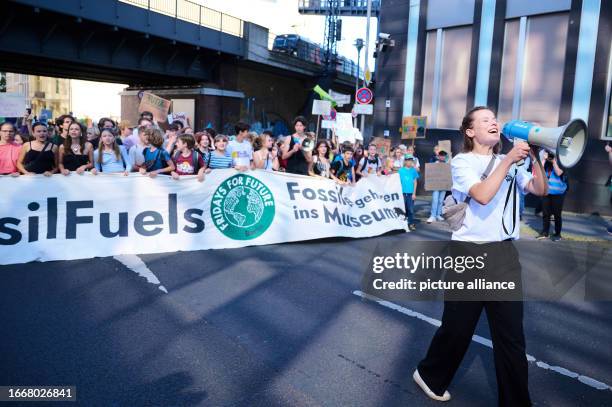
{"points": [[67, 146]]}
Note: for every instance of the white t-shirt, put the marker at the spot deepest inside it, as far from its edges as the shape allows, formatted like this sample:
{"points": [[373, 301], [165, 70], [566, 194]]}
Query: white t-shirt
{"points": [[242, 153], [483, 223]]}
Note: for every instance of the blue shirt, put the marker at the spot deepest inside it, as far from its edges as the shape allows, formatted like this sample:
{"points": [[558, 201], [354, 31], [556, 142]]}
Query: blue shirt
{"points": [[155, 160], [110, 162], [217, 161], [407, 177]]}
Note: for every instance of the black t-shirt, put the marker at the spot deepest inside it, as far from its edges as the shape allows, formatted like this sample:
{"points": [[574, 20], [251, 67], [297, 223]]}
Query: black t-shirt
{"points": [[296, 164], [342, 171]]}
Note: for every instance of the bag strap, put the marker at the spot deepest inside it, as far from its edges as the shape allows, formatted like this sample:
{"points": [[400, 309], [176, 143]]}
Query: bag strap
{"points": [[484, 175], [511, 190]]}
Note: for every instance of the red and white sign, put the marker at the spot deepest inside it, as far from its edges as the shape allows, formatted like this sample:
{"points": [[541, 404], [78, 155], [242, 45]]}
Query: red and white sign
{"points": [[331, 115], [364, 96]]}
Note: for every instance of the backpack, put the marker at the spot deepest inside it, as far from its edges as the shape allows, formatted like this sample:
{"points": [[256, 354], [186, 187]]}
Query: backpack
{"points": [[366, 160]]}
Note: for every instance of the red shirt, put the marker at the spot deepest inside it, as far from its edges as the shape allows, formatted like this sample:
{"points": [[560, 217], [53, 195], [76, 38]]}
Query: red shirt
{"points": [[184, 165], [9, 153]]}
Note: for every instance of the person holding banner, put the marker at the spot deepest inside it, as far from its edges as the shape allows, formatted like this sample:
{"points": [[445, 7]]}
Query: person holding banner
{"points": [[188, 161], [370, 164], [396, 160], [110, 157], [264, 157], [298, 160], [241, 148], [156, 160], [39, 156], [76, 154], [343, 170], [320, 165], [485, 221], [9, 150], [220, 158]]}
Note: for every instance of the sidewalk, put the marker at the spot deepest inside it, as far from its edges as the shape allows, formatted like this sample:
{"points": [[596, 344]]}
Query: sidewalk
{"points": [[576, 227]]}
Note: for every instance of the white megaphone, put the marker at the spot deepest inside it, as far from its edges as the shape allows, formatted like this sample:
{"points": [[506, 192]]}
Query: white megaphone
{"points": [[567, 142]]}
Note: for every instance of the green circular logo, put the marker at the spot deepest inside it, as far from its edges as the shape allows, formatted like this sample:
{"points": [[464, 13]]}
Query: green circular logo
{"points": [[242, 207]]}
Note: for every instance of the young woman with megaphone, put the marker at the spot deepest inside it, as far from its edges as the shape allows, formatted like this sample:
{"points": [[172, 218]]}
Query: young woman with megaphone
{"points": [[485, 181]]}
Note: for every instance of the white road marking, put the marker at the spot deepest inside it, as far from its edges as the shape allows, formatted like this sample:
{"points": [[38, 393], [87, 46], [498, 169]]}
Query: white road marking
{"points": [[589, 381], [135, 263]]}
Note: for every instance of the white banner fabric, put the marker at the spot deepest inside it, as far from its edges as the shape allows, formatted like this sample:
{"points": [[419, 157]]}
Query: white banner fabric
{"points": [[84, 216]]}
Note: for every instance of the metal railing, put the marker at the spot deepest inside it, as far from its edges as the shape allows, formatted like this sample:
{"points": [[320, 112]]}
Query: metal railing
{"points": [[194, 13], [354, 4]]}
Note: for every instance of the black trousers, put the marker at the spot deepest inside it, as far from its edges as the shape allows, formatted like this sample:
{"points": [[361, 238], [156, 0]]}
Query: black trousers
{"points": [[552, 205], [452, 339], [459, 320]]}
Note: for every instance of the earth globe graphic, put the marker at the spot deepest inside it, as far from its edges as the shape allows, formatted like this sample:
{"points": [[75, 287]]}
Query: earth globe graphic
{"points": [[243, 207]]}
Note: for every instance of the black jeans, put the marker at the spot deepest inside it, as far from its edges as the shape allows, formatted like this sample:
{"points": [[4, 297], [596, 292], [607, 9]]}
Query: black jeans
{"points": [[552, 205]]}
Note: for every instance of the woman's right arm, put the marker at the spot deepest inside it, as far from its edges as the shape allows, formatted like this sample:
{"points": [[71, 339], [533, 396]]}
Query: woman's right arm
{"points": [[484, 191]]}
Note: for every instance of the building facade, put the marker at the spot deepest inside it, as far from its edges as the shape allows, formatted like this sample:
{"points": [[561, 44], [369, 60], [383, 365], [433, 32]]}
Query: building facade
{"points": [[546, 61], [42, 92]]}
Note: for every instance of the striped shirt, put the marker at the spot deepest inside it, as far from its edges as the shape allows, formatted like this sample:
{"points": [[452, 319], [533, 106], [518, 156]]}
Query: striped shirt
{"points": [[220, 161], [556, 186]]}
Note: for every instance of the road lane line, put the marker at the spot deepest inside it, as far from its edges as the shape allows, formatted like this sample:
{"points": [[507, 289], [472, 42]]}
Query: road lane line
{"points": [[589, 381], [135, 263]]}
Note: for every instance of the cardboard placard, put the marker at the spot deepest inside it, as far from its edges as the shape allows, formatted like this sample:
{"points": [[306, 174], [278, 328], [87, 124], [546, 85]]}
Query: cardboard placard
{"points": [[438, 177], [12, 105], [383, 144], [321, 107], [413, 127], [156, 105]]}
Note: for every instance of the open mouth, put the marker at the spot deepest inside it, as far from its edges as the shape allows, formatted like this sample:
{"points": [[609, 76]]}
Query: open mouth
{"points": [[493, 131]]}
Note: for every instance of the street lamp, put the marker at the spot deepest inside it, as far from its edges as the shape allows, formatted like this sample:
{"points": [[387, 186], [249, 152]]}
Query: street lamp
{"points": [[358, 44]]}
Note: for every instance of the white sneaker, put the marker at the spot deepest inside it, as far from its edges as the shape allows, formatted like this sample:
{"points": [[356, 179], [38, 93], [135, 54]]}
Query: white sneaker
{"points": [[407, 229], [417, 378], [431, 219], [440, 219]]}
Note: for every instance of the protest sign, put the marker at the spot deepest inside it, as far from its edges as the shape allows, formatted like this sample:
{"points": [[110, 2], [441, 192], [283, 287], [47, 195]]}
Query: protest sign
{"points": [[328, 124], [340, 98], [64, 218], [438, 177], [383, 144], [321, 107], [12, 105], [413, 127], [154, 104]]}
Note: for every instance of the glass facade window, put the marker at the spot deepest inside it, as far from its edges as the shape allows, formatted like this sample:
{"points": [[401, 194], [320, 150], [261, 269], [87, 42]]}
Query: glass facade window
{"points": [[532, 69], [446, 75]]}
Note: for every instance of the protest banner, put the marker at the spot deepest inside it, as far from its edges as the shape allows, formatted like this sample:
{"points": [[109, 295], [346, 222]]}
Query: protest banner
{"points": [[12, 105], [156, 105], [438, 177], [344, 127], [84, 216], [321, 107]]}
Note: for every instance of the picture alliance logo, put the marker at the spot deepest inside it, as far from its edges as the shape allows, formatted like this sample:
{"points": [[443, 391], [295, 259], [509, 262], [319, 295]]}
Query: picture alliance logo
{"points": [[242, 207]]}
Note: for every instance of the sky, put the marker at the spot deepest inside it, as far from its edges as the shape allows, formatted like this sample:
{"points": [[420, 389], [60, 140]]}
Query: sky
{"points": [[279, 16]]}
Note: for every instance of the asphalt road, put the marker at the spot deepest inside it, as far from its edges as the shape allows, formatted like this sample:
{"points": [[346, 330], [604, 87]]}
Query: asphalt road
{"points": [[268, 326]]}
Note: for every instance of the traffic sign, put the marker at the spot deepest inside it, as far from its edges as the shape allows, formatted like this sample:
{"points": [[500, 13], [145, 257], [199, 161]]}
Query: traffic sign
{"points": [[331, 116], [364, 96]]}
